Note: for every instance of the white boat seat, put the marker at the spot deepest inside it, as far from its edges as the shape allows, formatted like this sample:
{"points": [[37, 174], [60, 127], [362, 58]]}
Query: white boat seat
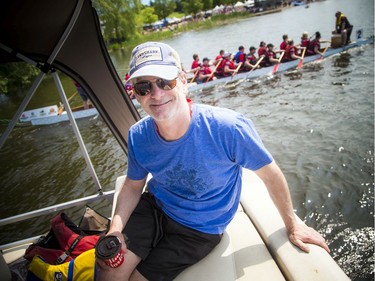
{"points": [[295, 264]]}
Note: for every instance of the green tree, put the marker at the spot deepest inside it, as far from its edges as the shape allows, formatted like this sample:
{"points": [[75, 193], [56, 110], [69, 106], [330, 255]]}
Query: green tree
{"points": [[16, 76], [163, 8], [148, 15], [118, 18], [191, 7], [207, 4], [223, 2]]}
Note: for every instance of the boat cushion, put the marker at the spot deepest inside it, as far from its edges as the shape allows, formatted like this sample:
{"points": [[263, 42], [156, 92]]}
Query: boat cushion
{"points": [[295, 264]]}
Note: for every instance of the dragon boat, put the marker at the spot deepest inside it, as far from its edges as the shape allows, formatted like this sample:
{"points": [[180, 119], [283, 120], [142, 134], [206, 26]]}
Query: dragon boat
{"points": [[267, 71]]}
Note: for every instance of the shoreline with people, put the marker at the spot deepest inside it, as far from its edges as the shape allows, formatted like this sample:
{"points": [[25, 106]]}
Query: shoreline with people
{"points": [[175, 30]]}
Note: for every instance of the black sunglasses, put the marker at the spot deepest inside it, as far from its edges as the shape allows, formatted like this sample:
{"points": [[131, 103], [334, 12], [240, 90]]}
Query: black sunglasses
{"points": [[143, 88]]}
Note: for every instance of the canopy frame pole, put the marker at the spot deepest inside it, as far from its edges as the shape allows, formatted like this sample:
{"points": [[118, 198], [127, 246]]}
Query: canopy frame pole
{"points": [[61, 91]]}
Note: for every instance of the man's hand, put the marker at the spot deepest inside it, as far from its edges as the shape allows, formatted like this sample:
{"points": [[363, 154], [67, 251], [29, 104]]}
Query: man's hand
{"points": [[303, 234], [102, 265]]}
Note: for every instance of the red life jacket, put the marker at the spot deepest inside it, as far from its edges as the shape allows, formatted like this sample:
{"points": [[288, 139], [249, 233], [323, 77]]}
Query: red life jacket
{"points": [[283, 45], [231, 65], [261, 51], [205, 70], [313, 44], [289, 51], [195, 65], [305, 43], [220, 68], [62, 243], [252, 59], [268, 55]]}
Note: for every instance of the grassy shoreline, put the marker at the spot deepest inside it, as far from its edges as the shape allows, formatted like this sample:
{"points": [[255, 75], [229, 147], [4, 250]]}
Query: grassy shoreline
{"points": [[166, 33]]}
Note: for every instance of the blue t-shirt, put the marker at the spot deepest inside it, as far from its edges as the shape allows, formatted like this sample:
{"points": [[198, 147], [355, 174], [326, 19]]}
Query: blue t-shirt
{"points": [[196, 179]]}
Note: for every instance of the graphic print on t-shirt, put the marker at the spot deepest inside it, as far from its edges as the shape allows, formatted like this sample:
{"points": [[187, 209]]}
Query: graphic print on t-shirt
{"points": [[184, 181]]}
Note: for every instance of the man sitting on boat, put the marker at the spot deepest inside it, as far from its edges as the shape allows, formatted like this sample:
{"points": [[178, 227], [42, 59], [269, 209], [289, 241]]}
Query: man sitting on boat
{"points": [[195, 154]]}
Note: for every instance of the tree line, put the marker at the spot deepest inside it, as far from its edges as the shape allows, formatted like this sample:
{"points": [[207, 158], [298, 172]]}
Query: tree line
{"points": [[122, 20]]}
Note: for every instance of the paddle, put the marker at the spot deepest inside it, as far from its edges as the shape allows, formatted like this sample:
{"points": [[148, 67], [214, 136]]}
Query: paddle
{"points": [[236, 71], [300, 64], [213, 72], [276, 67], [322, 55], [256, 65], [195, 75], [61, 108]]}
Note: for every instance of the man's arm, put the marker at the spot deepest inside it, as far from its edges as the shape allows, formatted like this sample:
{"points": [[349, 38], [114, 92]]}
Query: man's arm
{"points": [[127, 200], [299, 234]]}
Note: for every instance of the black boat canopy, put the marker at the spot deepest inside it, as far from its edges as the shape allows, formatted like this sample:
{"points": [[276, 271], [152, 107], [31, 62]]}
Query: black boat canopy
{"points": [[65, 35]]}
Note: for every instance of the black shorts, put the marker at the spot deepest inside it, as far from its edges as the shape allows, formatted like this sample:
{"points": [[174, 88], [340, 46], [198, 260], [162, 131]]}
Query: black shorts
{"points": [[165, 246]]}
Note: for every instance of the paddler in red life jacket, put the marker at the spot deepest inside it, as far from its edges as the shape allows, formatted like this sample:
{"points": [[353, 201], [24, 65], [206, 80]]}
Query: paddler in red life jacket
{"points": [[129, 86], [205, 73], [240, 57], [226, 67], [219, 73], [195, 65], [284, 43], [230, 68], [262, 49], [270, 56], [314, 46], [251, 59], [291, 51], [218, 57], [343, 27], [305, 41]]}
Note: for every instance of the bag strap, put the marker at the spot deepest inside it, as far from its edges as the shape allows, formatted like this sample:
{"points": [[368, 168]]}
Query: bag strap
{"points": [[67, 253]]}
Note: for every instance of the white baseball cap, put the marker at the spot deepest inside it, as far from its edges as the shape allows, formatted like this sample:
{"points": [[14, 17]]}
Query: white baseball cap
{"points": [[154, 59]]}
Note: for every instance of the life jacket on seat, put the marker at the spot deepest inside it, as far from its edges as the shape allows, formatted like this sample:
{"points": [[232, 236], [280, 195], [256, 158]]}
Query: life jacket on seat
{"points": [[82, 268], [64, 242]]}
